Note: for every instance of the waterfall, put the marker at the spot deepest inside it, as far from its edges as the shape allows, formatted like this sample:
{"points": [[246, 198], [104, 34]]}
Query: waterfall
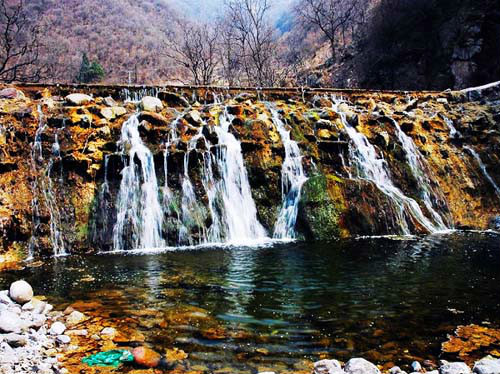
{"points": [[453, 131], [192, 211], [139, 213], [418, 166], [292, 180], [374, 168], [483, 169], [43, 183], [239, 213]]}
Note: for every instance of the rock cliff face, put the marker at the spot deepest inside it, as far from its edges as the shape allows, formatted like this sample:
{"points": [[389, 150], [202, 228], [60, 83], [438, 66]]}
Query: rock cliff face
{"points": [[376, 163]]}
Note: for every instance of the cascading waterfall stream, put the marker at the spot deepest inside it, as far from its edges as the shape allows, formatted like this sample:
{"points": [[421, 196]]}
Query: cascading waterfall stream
{"points": [[239, 213], [139, 213], [483, 169], [43, 183], [418, 167], [292, 180], [374, 168]]}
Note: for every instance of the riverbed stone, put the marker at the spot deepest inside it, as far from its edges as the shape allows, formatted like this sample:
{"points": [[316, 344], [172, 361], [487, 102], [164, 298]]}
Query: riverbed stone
{"points": [[360, 366], [4, 298], [75, 318], [415, 366], [63, 339], [15, 340], [146, 357], [487, 365], [10, 322], [21, 292], [455, 368], [57, 328], [327, 367], [151, 104]]}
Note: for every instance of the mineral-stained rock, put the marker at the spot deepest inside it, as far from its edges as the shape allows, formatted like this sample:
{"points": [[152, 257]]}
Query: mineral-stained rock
{"points": [[146, 357]]}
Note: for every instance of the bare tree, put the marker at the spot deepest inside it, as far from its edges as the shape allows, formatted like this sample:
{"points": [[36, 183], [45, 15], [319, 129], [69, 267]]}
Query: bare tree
{"points": [[196, 50], [19, 45], [254, 37], [331, 17]]}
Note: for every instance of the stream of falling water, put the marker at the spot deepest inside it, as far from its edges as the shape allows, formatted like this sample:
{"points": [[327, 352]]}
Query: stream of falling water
{"points": [[239, 214], [418, 168], [43, 183], [483, 169], [292, 180], [374, 168], [139, 213]]}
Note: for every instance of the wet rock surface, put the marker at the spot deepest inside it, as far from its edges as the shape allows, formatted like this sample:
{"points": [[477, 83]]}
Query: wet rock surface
{"points": [[76, 140]]}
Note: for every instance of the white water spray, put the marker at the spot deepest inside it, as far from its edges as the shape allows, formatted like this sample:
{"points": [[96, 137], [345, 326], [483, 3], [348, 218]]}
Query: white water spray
{"points": [[292, 180]]}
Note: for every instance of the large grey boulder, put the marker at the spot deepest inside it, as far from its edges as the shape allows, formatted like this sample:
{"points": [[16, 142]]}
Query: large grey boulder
{"points": [[78, 99], [151, 104], [487, 365], [10, 322], [21, 292], [455, 368], [360, 366], [328, 367]]}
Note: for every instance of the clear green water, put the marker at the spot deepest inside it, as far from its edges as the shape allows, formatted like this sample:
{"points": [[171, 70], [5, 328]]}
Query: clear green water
{"points": [[383, 299]]}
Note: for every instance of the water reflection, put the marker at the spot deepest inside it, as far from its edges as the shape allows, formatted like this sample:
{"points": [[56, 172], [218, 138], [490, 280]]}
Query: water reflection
{"points": [[385, 299]]}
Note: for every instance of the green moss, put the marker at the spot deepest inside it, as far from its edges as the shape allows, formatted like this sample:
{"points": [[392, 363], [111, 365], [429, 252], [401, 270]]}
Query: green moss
{"points": [[321, 207]]}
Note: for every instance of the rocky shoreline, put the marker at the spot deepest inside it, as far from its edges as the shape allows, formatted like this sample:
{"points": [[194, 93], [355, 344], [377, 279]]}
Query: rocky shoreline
{"points": [[36, 338]]}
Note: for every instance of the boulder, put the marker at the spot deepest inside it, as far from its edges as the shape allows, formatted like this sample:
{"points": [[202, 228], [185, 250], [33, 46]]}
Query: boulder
{"points": [[146, 357], [10, 322], [109, 101], [119, 111], [360, 366], [15, 340], [57, 328], [151, 104], [4, 298], [487, 365], [327, 367], [415, 366], [455, 368], [173, 99], [107, 113], [11, 93], [63, 339], [78, 99], [21, 292], [75, 318]]}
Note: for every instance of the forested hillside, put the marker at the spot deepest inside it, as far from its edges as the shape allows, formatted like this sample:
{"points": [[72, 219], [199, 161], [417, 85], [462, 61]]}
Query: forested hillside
{"points": [[388, 44]]}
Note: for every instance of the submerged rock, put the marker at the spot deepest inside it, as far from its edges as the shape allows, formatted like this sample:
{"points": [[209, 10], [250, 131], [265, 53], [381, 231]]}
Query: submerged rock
{"points": [[21, 292], [146, 357]]}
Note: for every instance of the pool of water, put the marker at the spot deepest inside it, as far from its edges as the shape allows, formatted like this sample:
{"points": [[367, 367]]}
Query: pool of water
{"points": [[281, 306]]}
